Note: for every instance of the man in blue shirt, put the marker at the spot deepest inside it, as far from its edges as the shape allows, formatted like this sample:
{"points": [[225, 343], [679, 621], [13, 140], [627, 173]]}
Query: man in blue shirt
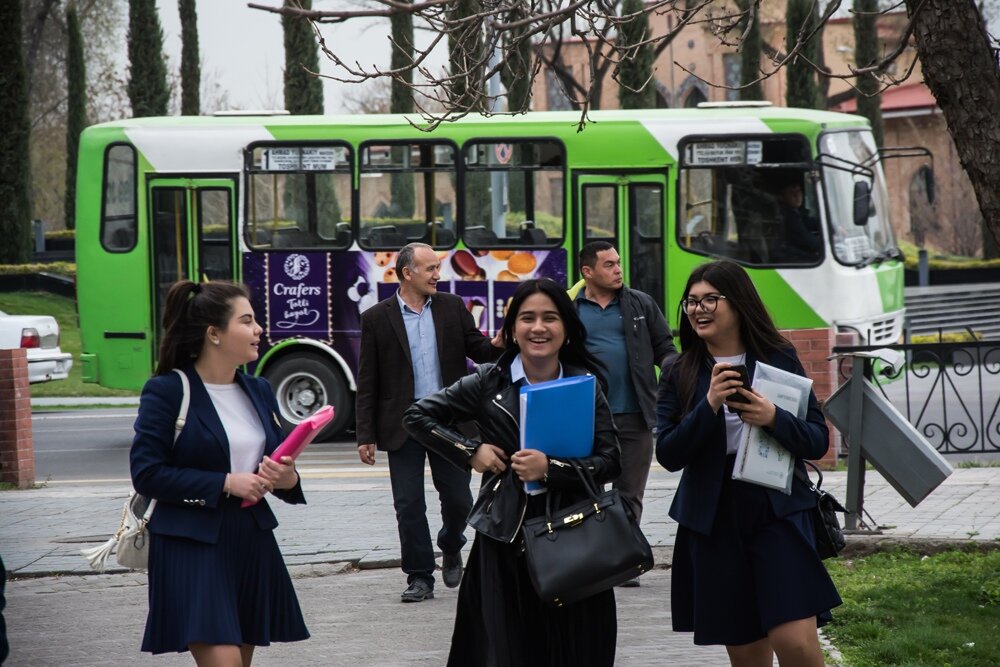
{"points": [[412, 344], [627, 331]]}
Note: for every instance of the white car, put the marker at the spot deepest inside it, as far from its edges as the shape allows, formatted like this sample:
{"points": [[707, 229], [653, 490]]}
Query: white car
{"points": [[39, 334]]}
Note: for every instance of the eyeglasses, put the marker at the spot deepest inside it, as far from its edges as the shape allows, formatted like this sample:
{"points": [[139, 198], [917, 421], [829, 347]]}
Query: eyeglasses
{"points": [[708, 303]]}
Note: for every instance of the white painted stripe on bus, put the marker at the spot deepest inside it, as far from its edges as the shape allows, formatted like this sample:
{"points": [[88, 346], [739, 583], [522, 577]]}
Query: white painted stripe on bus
{"points": [[217, 147], [669, 131]]}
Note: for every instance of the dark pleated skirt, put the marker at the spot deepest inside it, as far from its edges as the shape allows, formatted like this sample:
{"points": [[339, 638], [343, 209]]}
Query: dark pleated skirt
{"points": [[753, 573], [234, 592], [501, 621]]}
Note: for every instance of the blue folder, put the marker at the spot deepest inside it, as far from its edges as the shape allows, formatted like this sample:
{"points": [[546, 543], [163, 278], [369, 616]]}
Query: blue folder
{"points": [[557, 418]]}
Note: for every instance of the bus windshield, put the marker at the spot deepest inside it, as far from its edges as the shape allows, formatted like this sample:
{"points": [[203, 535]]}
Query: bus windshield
{"points": [[856, 244], [752, 201]]}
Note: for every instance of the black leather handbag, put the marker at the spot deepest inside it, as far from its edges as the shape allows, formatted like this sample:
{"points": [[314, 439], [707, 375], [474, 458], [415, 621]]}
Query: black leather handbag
{"points": [[829, 537], [588, 547]]}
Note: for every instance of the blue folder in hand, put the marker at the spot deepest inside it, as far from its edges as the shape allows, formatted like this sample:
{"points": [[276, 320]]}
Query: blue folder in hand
{"points": [[557, 418]]}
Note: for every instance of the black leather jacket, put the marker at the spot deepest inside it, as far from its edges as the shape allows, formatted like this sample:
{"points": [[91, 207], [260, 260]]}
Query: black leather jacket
{"points": [[491, 400]]}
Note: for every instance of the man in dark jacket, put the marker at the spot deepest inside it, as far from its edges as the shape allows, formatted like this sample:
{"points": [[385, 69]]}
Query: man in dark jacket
{"points": [[627, 331], [412, 344]]}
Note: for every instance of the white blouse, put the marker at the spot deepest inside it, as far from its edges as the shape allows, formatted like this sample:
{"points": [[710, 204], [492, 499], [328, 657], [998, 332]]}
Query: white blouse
{"points": [[242, 426]]}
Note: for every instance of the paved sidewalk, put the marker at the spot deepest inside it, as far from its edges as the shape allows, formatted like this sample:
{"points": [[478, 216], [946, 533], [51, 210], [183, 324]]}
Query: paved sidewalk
{"points": [[355, 617]]}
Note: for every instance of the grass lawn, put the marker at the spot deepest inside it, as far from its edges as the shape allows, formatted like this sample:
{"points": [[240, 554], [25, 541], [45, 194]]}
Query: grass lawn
{"points": [[902, 608], [64, 310]]}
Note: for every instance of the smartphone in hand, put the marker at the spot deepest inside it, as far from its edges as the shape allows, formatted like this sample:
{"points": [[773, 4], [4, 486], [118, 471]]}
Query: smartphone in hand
{"points": [[745, 379]]}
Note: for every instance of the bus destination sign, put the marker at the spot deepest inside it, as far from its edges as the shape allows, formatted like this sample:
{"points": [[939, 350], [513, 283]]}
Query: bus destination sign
{"points": [[722, 153]]}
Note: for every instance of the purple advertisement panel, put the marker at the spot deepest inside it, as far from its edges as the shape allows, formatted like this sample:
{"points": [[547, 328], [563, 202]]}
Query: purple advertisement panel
{"points": [[484, 279], [321, 296]]}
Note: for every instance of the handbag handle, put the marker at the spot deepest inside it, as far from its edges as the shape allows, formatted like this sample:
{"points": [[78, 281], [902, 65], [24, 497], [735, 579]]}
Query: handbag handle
{"points": [[588, 484], [805, 476]]}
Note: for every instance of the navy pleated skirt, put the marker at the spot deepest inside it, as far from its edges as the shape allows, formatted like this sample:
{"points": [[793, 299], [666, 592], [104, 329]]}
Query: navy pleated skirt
{"points": [[753, 573], [236, 591]]}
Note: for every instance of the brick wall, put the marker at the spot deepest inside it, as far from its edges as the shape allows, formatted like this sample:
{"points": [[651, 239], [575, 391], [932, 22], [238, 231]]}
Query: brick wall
{"points": [[17, 451], [813, 347]]}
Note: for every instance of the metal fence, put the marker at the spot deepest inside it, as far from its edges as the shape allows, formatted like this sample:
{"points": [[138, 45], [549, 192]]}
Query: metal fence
{"points": [[949, 391]]}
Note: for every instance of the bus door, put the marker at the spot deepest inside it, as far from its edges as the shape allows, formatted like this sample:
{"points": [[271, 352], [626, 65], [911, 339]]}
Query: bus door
{"points": [[192, 232], [629, 211]]}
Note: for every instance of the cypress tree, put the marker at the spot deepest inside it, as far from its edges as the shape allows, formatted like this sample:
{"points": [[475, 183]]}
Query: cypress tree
{"points": [[15, 160], [865, 54], [802, 90], [303, 90], [190, 65], [147, 84], [401, 188], [750, 51], [76, 108], [304, 96], [636, 68]]}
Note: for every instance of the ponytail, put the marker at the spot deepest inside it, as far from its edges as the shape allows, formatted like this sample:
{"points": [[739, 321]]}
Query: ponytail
{"points": [[189, 310]]}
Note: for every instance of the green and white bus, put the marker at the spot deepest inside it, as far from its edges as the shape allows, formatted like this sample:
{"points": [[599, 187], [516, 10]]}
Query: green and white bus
{"points": [[309, 211]]}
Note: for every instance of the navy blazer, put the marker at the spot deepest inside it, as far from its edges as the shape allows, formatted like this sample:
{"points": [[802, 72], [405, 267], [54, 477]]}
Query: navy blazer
{"points": [[697, 445], [186, 477]]}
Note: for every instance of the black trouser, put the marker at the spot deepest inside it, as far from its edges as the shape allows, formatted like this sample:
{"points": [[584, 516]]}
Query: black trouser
{"points": [[406, 473]]}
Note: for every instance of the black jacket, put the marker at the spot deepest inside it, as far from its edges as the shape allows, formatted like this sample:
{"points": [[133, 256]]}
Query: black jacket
{"points": [[491, 400], [385, 370], [649, 344]]}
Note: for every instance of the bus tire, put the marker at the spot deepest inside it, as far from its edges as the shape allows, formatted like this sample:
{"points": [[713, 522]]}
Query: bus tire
{"points": [[303, 383]]}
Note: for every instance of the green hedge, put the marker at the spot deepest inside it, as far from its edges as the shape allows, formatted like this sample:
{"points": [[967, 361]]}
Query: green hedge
{"points": [[62, 268], [942, 261]]}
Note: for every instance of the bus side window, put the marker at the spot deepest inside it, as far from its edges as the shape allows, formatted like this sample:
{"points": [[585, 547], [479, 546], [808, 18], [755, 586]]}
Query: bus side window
{"points": [[514, 193], [407, 193], [299, 197], [118, 217]]}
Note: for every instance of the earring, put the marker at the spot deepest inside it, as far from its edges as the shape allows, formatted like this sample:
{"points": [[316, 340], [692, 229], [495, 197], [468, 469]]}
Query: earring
{"points": [[215, 341], [513, 340]]}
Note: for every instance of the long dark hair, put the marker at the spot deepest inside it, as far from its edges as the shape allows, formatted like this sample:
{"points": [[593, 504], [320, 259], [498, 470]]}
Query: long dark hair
{"points": [[190, 309], [757, 331], [574, 350]]}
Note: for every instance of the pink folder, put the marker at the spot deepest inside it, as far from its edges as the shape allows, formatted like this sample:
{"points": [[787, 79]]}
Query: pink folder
{"points": [[300, 436]]}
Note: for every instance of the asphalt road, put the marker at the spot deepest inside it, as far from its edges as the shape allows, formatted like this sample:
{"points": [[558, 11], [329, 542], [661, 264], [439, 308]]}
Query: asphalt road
{"points": [[92, 445]]}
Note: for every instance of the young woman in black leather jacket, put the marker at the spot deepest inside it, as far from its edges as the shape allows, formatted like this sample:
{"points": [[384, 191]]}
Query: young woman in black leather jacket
{"points": [[500, 620]]}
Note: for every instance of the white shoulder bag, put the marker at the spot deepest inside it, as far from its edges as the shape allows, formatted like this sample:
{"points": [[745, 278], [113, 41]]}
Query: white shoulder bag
{"points": [[132, 538]]}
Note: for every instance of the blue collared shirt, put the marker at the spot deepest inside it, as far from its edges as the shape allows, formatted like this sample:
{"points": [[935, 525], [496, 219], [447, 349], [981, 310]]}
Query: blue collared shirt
{"points": [[517, 370], [606, 341], [422, 337]]}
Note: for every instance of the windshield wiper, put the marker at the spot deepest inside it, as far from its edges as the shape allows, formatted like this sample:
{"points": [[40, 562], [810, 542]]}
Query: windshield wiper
{"points": [[894, 253], [877, 258]]}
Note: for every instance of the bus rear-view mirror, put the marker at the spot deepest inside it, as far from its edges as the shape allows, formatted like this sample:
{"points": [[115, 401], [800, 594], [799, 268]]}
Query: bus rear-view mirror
{"points": [[862, 202], [929, 183]]}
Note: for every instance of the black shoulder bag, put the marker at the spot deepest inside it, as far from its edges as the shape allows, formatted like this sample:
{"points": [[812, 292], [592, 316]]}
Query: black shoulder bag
{"points": [[588, 547], [829, 537]]}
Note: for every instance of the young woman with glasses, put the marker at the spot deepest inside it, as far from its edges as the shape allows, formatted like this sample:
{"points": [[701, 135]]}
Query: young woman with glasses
{"points": [[745, 572]]}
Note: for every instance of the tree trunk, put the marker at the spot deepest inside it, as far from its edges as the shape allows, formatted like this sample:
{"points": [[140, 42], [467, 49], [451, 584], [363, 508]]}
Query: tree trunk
{"points": [[76, 108], [15, 162], [960, 68]]}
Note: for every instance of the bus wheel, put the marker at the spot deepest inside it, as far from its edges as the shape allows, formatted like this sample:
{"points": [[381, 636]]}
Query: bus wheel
{"points": [[303, 384]]}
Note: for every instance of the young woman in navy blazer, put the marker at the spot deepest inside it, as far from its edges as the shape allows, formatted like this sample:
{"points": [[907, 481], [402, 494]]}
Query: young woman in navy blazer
{"points": [[745, 572], [218, 585]]}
